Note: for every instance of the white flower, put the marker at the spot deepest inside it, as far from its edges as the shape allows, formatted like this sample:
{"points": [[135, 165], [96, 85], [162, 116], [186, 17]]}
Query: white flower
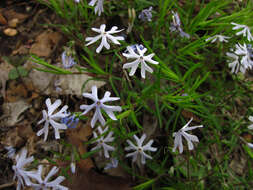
{"points": [[11, 151], [139, 58], [99, 7], [101, 142], [139, 149], [98, 105], [73, 167], [189, 138], [250, 145], [251, 125], [104, 35], [243, 51], [245, 30], [113, 164], [20, 173], [220, 38], [241, 58], [44, 184], [50, 118], [77, 1]]}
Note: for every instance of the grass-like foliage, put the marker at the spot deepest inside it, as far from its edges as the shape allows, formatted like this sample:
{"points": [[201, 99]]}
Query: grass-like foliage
{"points": [[192, 80]]}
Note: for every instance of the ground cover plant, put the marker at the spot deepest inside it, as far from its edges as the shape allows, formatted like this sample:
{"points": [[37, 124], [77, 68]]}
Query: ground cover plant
{"points": [[143, 94]]}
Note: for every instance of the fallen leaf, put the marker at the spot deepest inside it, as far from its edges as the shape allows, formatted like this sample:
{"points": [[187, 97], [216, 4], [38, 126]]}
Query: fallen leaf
{"points": [[72, 84], [188, 115], [10, 14], [2, 19], [45, 43], [5, 68], [77, 137], [13, 111]]}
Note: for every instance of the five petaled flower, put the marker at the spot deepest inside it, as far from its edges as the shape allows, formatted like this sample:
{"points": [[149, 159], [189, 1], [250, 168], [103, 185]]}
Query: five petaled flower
{"points": [[101, 141], [220, 38], [245, 31], [139, 149], [44, 184], [20, 173], [104, 35], [50, 118], [99, 104], [99, 7], [189, 138], [139, 58]]}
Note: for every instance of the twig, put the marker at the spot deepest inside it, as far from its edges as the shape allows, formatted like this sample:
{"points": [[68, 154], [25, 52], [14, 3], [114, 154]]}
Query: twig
{"points": [[7, 185]]}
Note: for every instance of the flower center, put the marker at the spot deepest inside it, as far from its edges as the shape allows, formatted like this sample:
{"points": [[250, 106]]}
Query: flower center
{"points": [[139, 149], [98, 103]]}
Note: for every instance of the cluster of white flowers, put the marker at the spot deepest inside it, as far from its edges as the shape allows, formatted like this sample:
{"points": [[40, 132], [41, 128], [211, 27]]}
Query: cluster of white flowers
{"points": [[24, 177], [241, 57]]}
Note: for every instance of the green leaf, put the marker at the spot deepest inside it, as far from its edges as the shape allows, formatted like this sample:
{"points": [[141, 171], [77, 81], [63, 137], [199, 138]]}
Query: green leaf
{"points": [[22, 71], [144, 185], [13, 74]]}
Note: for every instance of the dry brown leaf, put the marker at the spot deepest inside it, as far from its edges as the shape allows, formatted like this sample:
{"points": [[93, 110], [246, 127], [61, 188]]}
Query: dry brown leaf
{"points": [[77, 137], [11, 14], [45, 43], [91, 180], [4, 71], [2, 19], [188, 115], [13, 111], [70, 84]]}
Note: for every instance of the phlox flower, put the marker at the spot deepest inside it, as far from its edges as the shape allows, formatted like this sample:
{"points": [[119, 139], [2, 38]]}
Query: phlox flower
{"points": [[140, 149], [189, 138], [105, 35], [146, 14], [67, 60], [176, 25], [113, 164], [50, 118], [98, 105], [245, 31], [99, 6], [139, 58], [45, 184], [220, 38], [101, 141], [19, 170], [241, 57]]}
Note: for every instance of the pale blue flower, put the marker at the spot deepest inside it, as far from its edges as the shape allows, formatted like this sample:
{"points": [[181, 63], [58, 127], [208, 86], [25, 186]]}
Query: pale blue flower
{"points": [[146, 14], [101, 141], [189, 138], [105, 36], [44, 184], [67, 60], [98, 105], [19, 170], [99, 6], [49, 117], [113, 164], [176, 25], [139, 149]]}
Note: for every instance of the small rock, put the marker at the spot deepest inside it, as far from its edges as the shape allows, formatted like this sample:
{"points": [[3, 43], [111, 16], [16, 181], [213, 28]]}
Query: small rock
{"points": [[13, 22], [10, 32]]}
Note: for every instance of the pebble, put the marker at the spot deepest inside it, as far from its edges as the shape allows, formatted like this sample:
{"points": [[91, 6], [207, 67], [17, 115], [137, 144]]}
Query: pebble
{"points": [[13, 22], [10, 32]]}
